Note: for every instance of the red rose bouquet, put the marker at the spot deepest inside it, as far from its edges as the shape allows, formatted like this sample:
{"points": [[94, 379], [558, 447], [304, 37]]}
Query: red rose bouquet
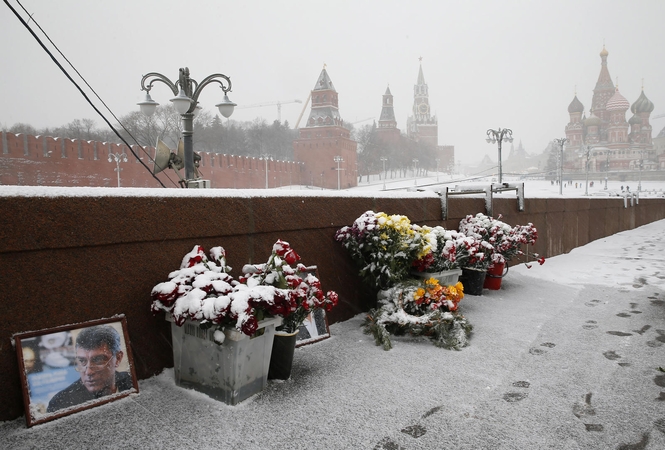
{"points": [[204, 291], [304, 288]]}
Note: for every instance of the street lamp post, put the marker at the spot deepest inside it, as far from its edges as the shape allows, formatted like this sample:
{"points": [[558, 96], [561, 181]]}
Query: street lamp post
{"points": [[561, 141], [338, 159], [639, 184], [585, 152], [265, 158], [437, 169], [118, 157], [499, 136], [383, 160], [415, 171], [186, 91], [607, 166]]}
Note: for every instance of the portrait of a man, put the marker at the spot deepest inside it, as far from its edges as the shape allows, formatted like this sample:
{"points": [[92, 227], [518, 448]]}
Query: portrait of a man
{"points": [[98, 355]]}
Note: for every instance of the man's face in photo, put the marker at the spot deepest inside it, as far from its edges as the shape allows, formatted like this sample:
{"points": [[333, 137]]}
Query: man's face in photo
{"points": [[100, 365]]}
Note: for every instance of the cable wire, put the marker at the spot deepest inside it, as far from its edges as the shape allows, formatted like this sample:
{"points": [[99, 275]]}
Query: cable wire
{"points": [[25, 24]]}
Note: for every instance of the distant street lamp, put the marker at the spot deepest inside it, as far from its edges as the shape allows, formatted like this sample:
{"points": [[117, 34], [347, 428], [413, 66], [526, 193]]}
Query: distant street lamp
{"points": [[639, 184], [437, 168], [585, 152], [266, 158], [383, 160], [338, 159], [500, 135], [186, 91], [607, 166], [118, 157], [415, 171], [561, 141]]}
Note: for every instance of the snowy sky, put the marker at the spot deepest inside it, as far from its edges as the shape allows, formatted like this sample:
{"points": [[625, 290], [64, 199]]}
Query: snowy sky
{"points": [[488, 64]]}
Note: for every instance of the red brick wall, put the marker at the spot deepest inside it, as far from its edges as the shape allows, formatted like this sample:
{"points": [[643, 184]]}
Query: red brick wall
{"points": [[317, 148], [23, 162]]}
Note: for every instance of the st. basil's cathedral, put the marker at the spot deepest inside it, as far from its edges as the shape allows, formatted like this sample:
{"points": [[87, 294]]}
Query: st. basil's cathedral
{"points": [[615, 144]]}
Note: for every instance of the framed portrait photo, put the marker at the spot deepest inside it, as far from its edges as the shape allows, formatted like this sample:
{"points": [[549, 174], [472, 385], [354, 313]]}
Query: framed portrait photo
{"points": [[313, 329], [72, 368], [315, 326]]}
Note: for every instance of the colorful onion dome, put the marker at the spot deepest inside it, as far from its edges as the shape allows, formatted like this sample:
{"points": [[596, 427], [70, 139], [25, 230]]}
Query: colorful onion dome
{"points": [[575, 106], [604, 52], [635, 120], [642, 105], [617, 102]]}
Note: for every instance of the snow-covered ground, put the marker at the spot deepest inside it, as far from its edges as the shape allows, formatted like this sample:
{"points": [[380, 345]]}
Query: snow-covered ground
{"points": [[400, 187], [564, 356], [532, 187]]}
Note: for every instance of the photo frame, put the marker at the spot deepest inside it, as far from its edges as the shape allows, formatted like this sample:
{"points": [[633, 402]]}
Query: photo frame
{"points": [[71, 368], [315, 326]]}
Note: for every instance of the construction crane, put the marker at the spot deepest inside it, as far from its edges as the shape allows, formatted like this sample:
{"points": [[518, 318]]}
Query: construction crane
{"points": [[658, 116], [309, 97], [278, 103], [304, 107], [360, 121]]}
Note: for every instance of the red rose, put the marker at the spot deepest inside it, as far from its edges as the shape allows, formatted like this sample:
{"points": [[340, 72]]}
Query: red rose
{"points": [[250, 326], [291, 257], [194, 257], [165, 294], [284, 251]]}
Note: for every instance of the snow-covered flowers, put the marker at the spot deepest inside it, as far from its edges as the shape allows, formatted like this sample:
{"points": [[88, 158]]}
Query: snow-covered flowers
{"points": [[384, 246], [445, 247], [204, 291], [505, 241], [304, 288], [420, 307]]}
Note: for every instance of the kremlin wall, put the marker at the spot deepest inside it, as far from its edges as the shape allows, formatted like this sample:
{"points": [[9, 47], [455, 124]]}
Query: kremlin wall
{"points": [[46, 161]]}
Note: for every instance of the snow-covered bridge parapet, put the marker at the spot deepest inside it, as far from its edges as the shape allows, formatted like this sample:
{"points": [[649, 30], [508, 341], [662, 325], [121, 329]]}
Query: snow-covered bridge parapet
{"points": [[73, 254]]}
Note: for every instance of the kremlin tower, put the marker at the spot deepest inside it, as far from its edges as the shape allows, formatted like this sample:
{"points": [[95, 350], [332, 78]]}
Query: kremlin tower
{"points": [[387, 131], [423, 127], [324, 145]]}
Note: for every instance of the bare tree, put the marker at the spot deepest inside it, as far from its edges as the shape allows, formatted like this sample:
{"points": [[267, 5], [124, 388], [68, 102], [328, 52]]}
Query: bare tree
{"points": [[23, 128]]}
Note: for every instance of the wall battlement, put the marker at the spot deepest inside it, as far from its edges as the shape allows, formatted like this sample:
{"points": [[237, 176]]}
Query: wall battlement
{"points": [[27, 160]]}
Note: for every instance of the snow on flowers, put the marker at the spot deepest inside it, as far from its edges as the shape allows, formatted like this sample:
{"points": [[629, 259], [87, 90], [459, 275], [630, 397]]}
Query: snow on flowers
{"points": [[204, 291], [420, 307], [384, 246], [505, 241], [389, 248]]}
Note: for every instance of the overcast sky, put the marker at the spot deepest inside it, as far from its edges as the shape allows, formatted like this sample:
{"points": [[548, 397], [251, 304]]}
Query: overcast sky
{"points": [[488, 64]]}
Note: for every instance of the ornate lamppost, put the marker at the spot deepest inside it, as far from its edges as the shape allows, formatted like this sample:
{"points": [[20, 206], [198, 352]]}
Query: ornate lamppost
{"points": [[118, 157], [186, 91], [338, 159], [498, 136], [383, 160], [561, 142], [415, 171]]}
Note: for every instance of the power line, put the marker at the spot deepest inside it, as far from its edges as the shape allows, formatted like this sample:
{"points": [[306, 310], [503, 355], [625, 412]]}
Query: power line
{"points": [[25, 24]]}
